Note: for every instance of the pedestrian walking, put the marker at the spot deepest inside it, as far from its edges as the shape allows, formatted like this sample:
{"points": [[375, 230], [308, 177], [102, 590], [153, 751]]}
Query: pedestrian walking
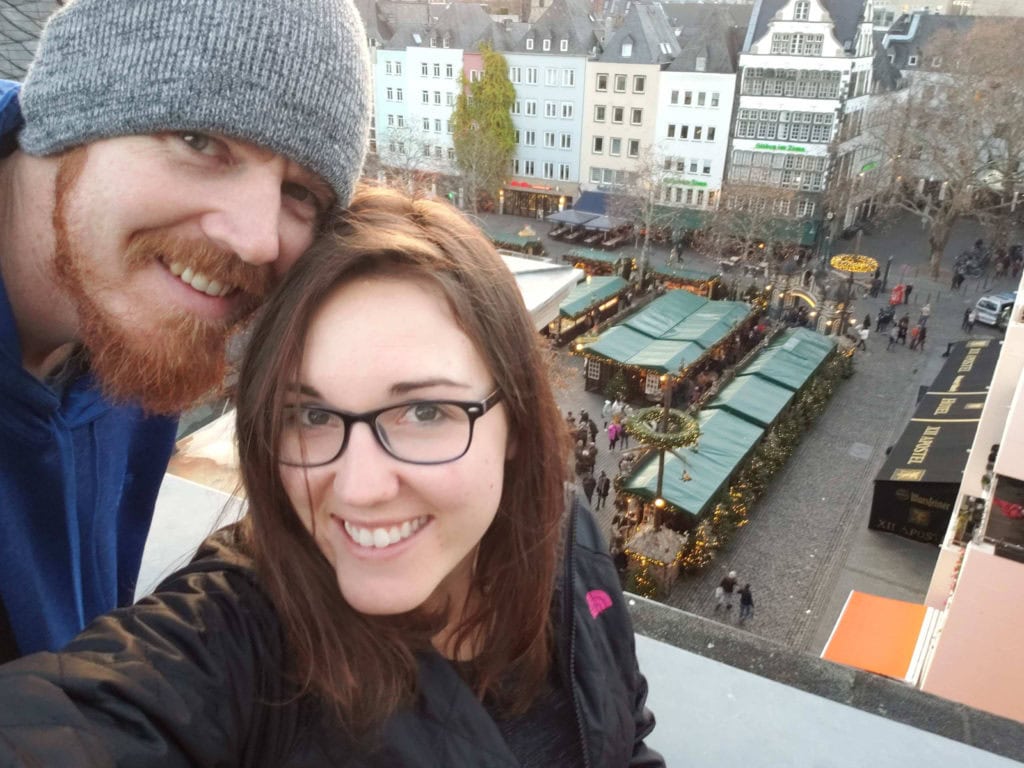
{"points": [[922, 334], [906, 293], [972, 316], [903, 326], [867, 321], [863, 343], [592, 429], [613, 434], [926, 312], [967, 317], [604, 486], [914, 333], [725, 590], [589, 484], [606, 411], [894, 336], [746, 603]]}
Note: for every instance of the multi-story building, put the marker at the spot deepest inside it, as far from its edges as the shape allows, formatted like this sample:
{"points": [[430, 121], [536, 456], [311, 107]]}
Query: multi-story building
{"points": [[547, 66], [620, 101], [694, 113], [805, 80]]}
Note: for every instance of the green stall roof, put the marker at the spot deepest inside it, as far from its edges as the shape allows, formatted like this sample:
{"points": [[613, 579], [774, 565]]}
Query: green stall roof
{"points": [[725, 441], [592, 254], [792, 358], [754, 399], [710, 323], [665, 312], [628, 347], [587, 293]]}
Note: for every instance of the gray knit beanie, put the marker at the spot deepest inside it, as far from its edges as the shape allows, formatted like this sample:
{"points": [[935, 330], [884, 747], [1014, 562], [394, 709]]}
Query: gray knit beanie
{"points": [[289, 75]]}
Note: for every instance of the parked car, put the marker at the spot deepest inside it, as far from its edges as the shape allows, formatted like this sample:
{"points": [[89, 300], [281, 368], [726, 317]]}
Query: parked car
{"points": [[989, 308]]}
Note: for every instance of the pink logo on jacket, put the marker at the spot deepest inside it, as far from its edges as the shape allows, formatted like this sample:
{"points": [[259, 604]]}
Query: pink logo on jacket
{"points": [[598, 601]]}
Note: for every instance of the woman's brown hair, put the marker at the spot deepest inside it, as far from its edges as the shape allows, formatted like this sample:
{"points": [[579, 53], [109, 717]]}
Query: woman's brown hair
{"points": [[365, 667]]}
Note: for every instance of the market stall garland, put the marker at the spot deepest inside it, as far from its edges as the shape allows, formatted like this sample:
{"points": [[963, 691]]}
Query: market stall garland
{"points": [[682, 431]]}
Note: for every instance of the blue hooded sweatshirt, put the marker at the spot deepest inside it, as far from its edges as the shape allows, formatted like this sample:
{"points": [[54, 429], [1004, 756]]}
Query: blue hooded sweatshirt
{"points": [[79, 478]]}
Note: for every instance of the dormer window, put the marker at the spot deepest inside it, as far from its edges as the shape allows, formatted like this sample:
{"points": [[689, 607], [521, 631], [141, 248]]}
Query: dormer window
{"points": [[802, 10], [445, 41], [911, 61], [627, 49], [433, 42], [545, 44], [563, 44], [529, 43], [701, 64]]}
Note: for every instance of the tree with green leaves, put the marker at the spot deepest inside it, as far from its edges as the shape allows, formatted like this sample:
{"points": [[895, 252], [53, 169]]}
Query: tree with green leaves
{"points": [[484, 136]]}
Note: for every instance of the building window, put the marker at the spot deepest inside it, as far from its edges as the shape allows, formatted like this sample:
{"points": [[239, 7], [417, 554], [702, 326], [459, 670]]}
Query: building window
{"points": [[401, 121], [615, 146], [620, 83], [633, 148], [516, 135], [805, 209], [531, 138], [567, 110], [449, 99], [797, 44], [711, 133], [689, 196], [426, 97], [801, 10], [687, 98], [448, 126], [451, 153], [911, 61], [474, 75], [437, 124], [528, 168], [438, 152], [595, 176], [673, 97], [714, 99], [639, 83], [517, 107], [515, 166], [546, 46], [563, 171], [671, 131], [549, 168], [531, 108], [684, 131], [593, 369], [515, 74], [627, 49], [387, 67], [566, 141], [700, 198], [618, 114], [563, 45], [426, 123], [550, 76], [390, 94], [693, 166], [698, 133], [568, 77], [437, 70], [599, 113], [598, 147], [700, 99], [437, 98], [426, 150], [549, 139], [529, 43], [550, 109], [449, 71], [602, 82], [706, 169], [423, 68], [391, 121], [652, 384], [636, 116]]}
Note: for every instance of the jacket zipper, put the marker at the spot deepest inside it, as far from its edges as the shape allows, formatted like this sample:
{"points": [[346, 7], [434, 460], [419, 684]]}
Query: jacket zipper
{"points": [[570, 599]]}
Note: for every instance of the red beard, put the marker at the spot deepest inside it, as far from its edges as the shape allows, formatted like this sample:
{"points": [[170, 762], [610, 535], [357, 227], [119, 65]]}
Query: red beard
{"points": [[185, 361]]}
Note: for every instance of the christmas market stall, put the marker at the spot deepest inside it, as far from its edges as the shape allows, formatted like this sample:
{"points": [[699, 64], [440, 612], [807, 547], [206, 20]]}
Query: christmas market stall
{"points": [[754, 399], [916, 489], [595, 262], [679, 334], [594, 299], [526, 241], [693, 280], [791, 358]]}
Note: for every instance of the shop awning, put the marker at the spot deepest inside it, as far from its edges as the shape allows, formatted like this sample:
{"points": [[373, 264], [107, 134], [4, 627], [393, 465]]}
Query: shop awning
{"points": [[592, 202], [665, 312], [605, 223], [881, 635], [571, 216], [754, 399], [724, 443], [592, 291]]}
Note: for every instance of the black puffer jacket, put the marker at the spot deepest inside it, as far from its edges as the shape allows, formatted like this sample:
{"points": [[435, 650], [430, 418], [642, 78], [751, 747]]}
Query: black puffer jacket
{"points": [[187, 677]]}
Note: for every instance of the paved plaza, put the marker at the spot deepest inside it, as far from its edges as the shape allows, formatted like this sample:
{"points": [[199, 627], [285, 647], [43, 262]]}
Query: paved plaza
{"points": [[807, 544]]}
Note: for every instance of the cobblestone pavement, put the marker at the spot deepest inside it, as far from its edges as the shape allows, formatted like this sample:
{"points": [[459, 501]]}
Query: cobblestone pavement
{"points": [[807, 543]]}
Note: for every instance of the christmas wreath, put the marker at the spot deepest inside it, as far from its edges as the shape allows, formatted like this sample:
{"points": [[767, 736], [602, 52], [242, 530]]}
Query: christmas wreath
{"points": [[683, 430]]}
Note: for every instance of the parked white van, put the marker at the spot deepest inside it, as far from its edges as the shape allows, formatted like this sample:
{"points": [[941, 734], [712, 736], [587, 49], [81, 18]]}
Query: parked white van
{"points": [[988, 308]]}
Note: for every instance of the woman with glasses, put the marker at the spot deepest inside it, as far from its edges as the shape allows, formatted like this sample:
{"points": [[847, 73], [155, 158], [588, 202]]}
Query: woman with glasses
{"points": [[408, 587]]}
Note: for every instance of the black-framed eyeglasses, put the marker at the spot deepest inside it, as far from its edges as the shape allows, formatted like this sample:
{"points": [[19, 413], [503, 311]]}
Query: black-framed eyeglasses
{"points": [[416, 432]]}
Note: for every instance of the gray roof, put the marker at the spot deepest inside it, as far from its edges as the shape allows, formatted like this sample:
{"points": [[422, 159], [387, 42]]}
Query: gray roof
{"points": [[20, 26], [713, 32], [647, 27], [682, 14], [846, 15], [886, 74], [922, 27], [465, 25], [572, 19]]}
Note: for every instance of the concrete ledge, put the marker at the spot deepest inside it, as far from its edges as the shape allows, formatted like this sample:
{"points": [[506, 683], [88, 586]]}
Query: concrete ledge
{"points": [[862, 690]]}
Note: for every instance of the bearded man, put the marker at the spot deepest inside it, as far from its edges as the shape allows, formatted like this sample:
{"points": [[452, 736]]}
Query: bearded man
{"points": [[163, 165]]}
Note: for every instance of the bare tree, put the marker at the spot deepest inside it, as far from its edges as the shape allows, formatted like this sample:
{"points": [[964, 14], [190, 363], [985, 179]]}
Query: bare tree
{"points": [[744, 221], [404, 157], [953, 140]]}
